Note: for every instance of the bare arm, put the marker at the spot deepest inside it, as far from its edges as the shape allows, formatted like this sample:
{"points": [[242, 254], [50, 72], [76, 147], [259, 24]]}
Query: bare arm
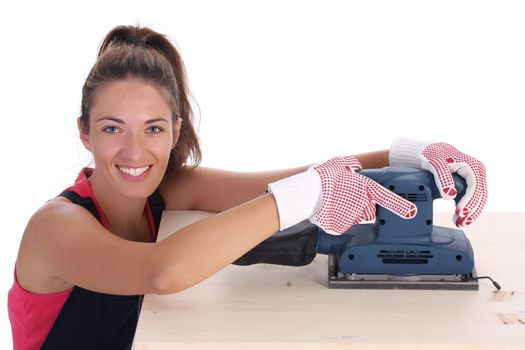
{"points": [[373, 160], [205, 247], [216, 190], [65, 245]]}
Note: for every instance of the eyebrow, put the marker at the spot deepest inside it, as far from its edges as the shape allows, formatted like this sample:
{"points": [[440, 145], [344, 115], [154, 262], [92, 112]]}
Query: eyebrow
{"points": [[120, 121]]}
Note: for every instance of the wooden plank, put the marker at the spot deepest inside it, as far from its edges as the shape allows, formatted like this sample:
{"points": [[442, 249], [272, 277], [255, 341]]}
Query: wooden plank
{"points": [[267, 306]]}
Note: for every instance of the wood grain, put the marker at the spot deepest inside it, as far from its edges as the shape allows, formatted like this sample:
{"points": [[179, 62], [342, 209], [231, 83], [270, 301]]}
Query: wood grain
{"points": [[276, 307]]}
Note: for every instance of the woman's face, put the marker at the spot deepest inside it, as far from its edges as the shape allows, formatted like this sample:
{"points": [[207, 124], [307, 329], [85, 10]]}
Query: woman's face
{"points": [[131, 135]]}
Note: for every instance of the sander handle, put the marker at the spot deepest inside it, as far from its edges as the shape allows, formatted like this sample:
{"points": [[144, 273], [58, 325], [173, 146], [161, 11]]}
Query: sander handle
{"points": [[386, 174]]}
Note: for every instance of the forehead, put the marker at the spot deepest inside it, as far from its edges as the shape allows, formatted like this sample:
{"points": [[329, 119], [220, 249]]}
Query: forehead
{"points": [[130, 98]]}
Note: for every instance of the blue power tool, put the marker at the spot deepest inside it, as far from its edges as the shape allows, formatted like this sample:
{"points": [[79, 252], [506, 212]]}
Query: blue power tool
{"points": [[398, 253]]}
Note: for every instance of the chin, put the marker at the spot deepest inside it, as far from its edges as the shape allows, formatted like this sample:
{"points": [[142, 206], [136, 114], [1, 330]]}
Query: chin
{"points": [[139, 192], [134, 191]]}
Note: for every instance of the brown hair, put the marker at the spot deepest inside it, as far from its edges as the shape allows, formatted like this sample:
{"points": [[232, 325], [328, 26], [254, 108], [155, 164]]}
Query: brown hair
{"points": [[139, 52]]}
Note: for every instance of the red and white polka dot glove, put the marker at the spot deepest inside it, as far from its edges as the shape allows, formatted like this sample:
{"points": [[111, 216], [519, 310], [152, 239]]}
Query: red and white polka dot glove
{"points": [[349, 197], [334, 197], [442, 159]]}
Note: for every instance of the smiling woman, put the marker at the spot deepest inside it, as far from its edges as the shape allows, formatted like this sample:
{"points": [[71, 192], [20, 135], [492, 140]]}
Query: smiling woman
{"points": [[133, 103], [88, 255]]}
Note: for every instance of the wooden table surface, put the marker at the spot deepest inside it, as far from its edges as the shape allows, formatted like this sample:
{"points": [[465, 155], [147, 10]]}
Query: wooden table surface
{"points": [[275, 307]]}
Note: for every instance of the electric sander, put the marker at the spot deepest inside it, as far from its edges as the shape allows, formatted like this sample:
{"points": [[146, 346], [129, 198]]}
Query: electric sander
{"points": [[393, 252]]}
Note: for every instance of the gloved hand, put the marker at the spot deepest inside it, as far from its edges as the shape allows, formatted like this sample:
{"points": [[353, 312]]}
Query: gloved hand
{"points": [[442, 159], [334, 197]]}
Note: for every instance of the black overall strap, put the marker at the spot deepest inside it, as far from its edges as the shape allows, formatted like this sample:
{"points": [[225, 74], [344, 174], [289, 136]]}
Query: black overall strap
{"points": [[85, 202], [157, 206]]}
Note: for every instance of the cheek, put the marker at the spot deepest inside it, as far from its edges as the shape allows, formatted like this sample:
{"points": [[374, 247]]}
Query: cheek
{"points": [[102, 149], [162, 150]]}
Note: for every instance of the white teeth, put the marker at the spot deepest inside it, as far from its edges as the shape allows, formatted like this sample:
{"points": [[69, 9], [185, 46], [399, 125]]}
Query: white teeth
{"points": [[134, 171]]}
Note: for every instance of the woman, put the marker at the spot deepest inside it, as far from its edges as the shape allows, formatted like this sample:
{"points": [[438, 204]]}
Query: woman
{"points": [[88, 255]]}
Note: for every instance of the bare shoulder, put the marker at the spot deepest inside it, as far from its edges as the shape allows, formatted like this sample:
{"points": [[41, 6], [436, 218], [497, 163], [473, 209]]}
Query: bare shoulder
{"points": [[59, 208], [57, 213], [45, 234]]}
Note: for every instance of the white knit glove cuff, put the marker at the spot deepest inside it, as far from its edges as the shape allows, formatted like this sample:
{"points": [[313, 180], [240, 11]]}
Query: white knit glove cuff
{"points": [[298, 197], [406, 152]]}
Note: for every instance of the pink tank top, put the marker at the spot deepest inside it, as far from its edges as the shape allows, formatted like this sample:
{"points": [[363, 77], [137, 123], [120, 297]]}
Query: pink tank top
{"points": [[32, 315]]}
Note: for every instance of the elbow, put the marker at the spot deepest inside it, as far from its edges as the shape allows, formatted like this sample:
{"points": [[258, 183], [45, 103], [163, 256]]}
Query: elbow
{"points": [[167, 277], [174, 270], [159, 285], [162, 283]]}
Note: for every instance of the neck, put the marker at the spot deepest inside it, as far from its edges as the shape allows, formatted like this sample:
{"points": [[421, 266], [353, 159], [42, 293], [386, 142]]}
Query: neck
{"points": [[126, 216]]}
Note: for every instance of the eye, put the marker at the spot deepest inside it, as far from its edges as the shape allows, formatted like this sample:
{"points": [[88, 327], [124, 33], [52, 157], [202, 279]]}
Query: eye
{"points": [[154, 130], [111, 130]]}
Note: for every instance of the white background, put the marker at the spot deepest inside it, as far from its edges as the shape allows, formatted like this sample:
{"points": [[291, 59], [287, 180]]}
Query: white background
{"points": [[278, 83]]}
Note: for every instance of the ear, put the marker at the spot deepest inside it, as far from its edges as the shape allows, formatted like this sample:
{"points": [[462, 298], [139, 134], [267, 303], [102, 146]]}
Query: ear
{"points": [[176, 131], [83, 136]]}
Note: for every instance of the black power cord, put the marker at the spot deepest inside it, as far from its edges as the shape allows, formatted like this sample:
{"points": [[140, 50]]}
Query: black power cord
{"points": [[496, 284]]}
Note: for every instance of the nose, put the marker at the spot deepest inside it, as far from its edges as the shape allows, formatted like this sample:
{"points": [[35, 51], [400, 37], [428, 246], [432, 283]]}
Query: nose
{"points": [[133, 147]]}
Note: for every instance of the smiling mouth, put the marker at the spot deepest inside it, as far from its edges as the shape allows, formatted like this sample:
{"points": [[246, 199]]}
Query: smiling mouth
{"points": [[133, 171]]}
